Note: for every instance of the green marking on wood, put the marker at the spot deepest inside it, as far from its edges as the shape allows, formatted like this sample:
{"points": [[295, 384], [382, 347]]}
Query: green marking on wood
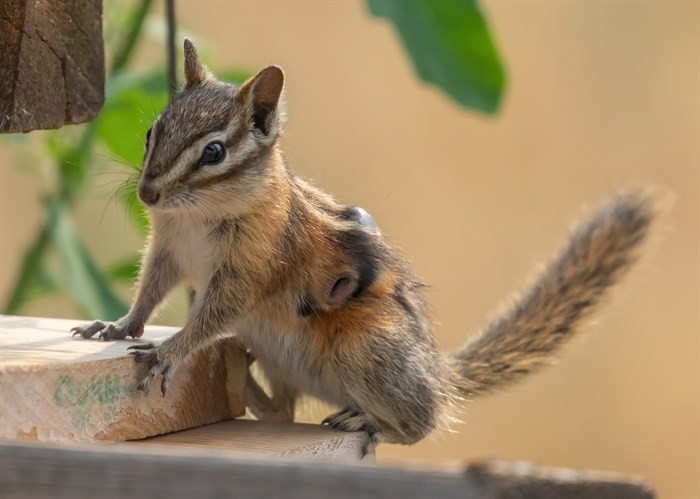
{"points": [[89, 396]]}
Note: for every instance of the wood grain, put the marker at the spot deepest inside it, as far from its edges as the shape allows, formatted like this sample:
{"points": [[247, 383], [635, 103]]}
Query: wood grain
{"points": [[270, 438], [119, 470], [54, 387], [51, 63]]}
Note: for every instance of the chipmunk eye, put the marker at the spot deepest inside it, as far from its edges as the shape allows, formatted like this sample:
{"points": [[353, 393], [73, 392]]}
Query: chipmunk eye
{"points": [[213, 153]]}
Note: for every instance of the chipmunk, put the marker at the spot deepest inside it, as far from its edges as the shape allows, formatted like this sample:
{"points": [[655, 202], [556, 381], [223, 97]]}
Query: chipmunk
{"points": [[311, 288]]}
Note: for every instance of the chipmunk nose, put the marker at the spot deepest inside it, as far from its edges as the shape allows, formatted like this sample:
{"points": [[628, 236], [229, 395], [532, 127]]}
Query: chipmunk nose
{"points": [[148, 194]]}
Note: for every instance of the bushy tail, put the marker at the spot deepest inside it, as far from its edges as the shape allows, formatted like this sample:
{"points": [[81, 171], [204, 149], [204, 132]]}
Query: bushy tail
{"points": [[524, 337]]}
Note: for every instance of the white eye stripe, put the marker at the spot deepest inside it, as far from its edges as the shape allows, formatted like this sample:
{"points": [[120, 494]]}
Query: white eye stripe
{"points": [[151, 139], [247, 145], [151, 142], [191, 155], [241, 151]]}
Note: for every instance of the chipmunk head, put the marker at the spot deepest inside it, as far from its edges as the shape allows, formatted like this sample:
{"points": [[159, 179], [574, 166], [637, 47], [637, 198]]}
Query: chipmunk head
{"points": [[211, 147]]}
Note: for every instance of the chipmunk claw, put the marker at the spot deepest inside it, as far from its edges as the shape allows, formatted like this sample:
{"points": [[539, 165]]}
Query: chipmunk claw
{"points": [[109, 331], [350, 420], [147, 353], [113, 332], [343, 420], [141, 346], [89, 330]]}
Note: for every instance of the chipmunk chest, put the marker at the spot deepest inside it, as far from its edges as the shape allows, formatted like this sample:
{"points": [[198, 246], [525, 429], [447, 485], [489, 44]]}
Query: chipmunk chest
{"points": [[193, 251]]}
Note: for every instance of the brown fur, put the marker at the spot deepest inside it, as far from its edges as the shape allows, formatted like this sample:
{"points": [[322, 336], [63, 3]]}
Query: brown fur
{"points": [[311, 288]]}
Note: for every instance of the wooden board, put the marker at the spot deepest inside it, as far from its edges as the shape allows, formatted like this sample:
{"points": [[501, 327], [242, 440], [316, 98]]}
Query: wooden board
{"points": [[125, 470], [54, 387], [51, 63], [270, 438]]}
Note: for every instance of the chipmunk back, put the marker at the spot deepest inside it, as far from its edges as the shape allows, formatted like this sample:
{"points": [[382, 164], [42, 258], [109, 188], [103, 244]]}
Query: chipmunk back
{"points": [[310, 286]]}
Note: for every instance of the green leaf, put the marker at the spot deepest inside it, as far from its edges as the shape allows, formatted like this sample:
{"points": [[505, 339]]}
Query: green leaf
{"points": [[134, 209], [72, 153], [71, 148], [44, 282], [55, 145], [133, 34], [88, 287], [451, 47], [234, 75], [125, 270], [24, 288], [131, 106]]}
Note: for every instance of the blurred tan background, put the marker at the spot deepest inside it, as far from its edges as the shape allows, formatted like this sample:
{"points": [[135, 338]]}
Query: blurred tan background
{"points": [[601, 95]]}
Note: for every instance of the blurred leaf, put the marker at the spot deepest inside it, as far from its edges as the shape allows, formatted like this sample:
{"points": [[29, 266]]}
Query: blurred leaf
{"points": [[133, 207], [126, 270], [123, 53], [41, 282], [88, 287], [44, 282], [71, 166], [24, 287], [71, 148], [153, 82], [131, 106], [234, 75], [55, 144], [451, 47], [138, 214]]}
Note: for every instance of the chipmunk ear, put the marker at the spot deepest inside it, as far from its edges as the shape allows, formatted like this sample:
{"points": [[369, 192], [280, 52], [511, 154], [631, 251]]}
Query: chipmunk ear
{"points": [[195, 71], [265, 89]]}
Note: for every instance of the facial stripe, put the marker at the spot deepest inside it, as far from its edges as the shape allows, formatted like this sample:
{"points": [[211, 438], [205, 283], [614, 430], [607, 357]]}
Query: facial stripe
{"points": [[233, 170], [190, 151], [234, 157], [182, 167], [151, 143]]}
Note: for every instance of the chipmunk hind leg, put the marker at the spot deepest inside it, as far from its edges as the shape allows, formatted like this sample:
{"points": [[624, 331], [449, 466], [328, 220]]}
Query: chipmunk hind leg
{"points": [[279, 406], [394, 389]]}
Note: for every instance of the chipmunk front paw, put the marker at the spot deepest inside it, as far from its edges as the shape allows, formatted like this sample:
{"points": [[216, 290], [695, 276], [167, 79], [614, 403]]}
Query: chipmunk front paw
{"points": [[153, 356], [109, 331]]}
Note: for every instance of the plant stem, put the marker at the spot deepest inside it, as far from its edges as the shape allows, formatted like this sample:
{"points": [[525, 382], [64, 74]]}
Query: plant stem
{"points": [[127, 47], [69, 184], [30, 264]]}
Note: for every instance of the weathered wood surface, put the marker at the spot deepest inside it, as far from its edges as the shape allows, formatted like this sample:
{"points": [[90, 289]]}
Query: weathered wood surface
{"points": [[54, 387], [269, 438], [51, 63], [122, 470]]}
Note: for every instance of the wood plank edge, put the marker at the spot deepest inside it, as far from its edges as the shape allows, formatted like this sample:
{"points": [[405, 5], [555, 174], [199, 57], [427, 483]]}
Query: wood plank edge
{"points": [[116, 471]]}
